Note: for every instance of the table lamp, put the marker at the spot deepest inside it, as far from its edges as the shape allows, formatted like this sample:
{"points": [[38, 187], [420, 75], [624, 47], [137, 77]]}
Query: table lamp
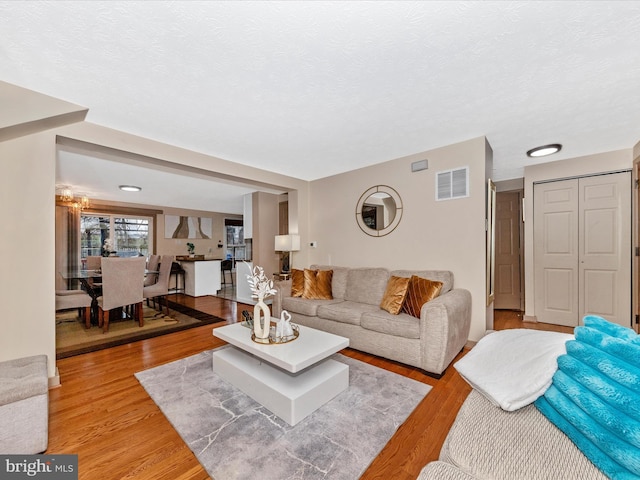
{"points": [[287, 243]]}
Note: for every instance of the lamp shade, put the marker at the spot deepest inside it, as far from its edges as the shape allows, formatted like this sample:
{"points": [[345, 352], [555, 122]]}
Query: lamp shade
{"points": [[287, 243]]}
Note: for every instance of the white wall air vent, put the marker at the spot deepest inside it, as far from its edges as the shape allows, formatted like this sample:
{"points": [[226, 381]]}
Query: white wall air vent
{"points": [[452, 184]]}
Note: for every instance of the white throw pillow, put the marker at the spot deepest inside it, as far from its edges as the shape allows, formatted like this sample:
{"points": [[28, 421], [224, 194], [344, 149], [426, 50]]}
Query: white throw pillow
{"points": [[512, 368]]}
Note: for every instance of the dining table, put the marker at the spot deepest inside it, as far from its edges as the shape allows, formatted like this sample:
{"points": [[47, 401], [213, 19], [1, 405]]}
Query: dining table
{"points": [[90, 282]]}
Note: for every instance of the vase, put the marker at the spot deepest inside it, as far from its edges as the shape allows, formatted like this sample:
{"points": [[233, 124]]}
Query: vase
{"points": [[261, 321]]}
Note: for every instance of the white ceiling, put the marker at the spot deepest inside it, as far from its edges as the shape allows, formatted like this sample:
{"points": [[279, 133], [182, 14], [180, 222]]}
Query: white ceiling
{"points": [[101, 178], [311, 89]]}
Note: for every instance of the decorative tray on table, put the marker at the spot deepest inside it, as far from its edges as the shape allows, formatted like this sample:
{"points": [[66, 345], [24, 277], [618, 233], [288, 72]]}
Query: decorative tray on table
{"points": [[272, 340]]}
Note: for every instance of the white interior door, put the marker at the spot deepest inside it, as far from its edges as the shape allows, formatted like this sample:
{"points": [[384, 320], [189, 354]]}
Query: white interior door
{"points": [[582, 252], [555, 252], [605, 247]]}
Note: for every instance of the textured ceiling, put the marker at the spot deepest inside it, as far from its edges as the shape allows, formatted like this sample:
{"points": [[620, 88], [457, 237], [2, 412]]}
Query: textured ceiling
{"points": [[311, 89]]}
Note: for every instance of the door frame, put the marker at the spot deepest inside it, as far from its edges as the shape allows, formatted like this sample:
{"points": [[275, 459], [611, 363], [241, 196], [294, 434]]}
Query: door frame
{"points": [[635, 239]]}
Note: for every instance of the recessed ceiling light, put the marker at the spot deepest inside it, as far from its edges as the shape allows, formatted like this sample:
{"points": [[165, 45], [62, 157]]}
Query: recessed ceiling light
{"points": [[130, 188], [544, 150]]}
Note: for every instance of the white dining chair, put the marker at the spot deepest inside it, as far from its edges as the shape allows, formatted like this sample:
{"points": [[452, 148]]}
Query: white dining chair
{"points": [[94, 262], [70, 299], [122, 285], [161, 287], [152, 266]]}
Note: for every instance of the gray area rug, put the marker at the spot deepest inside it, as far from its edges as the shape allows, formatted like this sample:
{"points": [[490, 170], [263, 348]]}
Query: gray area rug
{"points": [[234, 437]]}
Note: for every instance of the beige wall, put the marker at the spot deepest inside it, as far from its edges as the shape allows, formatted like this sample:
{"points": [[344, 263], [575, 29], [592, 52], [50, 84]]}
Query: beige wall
{"points": [[27, 243], [447, 235], [510, 185], [25, 112], [27, 213], [265, 228], [178, 246], [574, 167]]}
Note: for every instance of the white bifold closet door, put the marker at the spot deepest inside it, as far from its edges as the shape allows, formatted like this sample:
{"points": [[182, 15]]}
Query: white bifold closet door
{"points": [[582, 249]]}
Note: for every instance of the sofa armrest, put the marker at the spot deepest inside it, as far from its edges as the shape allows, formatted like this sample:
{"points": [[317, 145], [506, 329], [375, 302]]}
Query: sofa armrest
{"points": [[444, 328], [283, 289]]}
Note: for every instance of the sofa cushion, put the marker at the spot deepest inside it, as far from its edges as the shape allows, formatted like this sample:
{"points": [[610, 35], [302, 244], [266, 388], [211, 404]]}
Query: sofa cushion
{"points": [[304, 306], [297, 282], [420, 291], [338, 281], [346, 311], [595, 394], [444, 276], [23, 378], [394, 295], [401, 325], [366, 285], [317, 284], [493, 443], [442, 470]]}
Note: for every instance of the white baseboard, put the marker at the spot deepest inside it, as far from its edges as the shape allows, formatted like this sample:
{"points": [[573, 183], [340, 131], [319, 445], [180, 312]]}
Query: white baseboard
{"points": [[54, 381]]}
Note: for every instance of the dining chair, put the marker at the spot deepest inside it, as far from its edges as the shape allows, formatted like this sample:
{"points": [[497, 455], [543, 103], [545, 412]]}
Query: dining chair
{"points": [[66, 293], [94, 263], [226, 266], [122, 285], [161, 287], [68, 299], [152, 266]]}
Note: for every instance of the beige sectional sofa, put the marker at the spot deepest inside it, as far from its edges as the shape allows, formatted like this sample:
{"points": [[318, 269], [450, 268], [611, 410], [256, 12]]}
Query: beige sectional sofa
{"points": [[430, 342], [486, 442], [547, 405]]}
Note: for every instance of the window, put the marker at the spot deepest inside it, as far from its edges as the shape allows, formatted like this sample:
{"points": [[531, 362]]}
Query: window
{"points": [[234, 230], [129, 235]]}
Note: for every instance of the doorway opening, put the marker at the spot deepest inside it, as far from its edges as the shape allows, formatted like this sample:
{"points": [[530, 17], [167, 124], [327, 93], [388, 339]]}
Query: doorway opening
{"points": [[509, 251]]}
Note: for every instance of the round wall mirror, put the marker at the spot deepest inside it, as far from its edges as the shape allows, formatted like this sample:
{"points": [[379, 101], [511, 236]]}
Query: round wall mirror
{"points": [[379, 211]]}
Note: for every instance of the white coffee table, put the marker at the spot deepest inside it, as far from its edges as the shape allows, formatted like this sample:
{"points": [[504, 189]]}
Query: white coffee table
{"points": [[293, 379]]}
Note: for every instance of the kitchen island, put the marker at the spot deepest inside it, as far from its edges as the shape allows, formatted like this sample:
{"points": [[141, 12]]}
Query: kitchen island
{"points": [[201, 275]]}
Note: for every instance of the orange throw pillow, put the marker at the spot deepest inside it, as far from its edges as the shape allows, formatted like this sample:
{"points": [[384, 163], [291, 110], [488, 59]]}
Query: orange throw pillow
{"points": [[394, 295], [317, 284], [297, 283], [420, 291]]}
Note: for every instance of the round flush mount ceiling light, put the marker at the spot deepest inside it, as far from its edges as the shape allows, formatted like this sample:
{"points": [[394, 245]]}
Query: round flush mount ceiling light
{"points": [[544, 150], [129, 188]]}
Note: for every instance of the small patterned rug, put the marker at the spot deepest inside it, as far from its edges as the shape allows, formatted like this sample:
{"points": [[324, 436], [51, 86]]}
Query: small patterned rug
{"points": [[234, 437]]}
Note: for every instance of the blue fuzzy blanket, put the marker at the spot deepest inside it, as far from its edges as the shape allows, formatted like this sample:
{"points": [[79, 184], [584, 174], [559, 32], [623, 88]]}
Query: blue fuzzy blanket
{"points": [[595, 396]]}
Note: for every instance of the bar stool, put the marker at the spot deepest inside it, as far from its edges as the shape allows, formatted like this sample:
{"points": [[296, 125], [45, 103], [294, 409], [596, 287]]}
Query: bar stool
{"points": [[226, 266], [176, 272]]}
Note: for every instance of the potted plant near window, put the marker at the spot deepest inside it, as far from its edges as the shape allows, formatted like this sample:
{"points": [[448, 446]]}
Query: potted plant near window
{"points": [[191, 248]]}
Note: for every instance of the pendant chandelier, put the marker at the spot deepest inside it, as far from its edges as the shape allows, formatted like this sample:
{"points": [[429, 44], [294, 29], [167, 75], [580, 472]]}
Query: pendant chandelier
{"points": [[67, 197]]}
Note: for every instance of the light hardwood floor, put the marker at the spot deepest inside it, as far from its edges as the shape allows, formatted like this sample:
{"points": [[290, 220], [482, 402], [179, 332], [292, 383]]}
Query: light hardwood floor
{"points": [[103, 414]]}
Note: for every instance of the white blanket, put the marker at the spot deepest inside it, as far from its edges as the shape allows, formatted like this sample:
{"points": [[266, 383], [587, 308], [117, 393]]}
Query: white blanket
{"points": [[512, 368]]}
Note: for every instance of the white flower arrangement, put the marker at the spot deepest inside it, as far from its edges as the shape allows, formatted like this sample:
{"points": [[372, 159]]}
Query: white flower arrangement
{"points": [[107, 247], [260, 285]]}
